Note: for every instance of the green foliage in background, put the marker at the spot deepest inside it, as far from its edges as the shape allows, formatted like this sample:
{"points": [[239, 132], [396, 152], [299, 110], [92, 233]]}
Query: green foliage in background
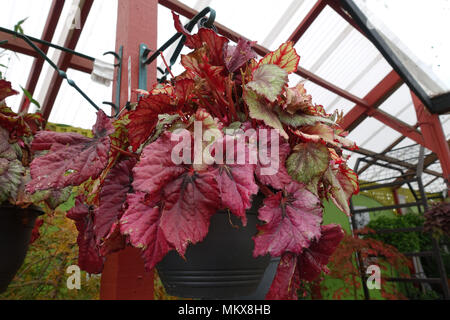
{"points": [[403, 241]]}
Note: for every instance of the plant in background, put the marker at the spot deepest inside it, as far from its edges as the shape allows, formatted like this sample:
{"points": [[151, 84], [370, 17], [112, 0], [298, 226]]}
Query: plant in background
{"points": [[16, 135], [403, 241], [437, 219], [343, 264], [137, 184]]}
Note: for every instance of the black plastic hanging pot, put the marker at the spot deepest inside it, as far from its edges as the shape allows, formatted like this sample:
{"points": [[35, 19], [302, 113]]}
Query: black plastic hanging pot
{"points": [[16, 225], [220, 267]]}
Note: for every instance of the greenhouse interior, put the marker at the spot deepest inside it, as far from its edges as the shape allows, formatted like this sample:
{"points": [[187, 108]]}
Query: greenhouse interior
{"points": [[301, 150]]}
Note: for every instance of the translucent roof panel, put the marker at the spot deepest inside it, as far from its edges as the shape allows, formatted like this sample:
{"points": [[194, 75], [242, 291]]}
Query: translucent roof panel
{"points": [[422, 47]]}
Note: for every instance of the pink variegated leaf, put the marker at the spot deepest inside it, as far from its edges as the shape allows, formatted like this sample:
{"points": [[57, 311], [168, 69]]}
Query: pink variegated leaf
{"points": [[292, 222], [72, 158], [141, 223]]}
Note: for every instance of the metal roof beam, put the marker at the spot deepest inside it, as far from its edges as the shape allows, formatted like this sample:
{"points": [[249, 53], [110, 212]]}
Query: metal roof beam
{"points": [[18, 45], [64, 59], [374, 99], [308, 20], [47, 35]]}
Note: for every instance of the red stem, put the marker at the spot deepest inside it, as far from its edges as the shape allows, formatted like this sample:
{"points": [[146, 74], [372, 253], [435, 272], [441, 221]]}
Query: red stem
{"points": [[124, 152]]}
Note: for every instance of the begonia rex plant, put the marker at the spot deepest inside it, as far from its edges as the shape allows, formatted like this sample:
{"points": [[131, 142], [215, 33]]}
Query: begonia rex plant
{"points": [[209, 139]]}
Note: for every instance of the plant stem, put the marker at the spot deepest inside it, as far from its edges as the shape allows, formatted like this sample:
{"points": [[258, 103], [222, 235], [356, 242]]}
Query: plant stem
{"points": [[124, 152], [165, 63]]}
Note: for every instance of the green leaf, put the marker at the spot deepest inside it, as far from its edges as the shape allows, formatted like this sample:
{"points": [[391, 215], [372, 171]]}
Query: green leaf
{"points": [[298, 120], [18, 27], [30, 97], [309, 160], [259, 110], [268, 80]]}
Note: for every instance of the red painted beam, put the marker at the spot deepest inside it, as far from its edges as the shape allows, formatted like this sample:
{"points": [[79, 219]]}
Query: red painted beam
{"points": [[188, 12], [47, 35], [398, 125], [308, 20], [20, 46], [434, 136], [124, 276], [374, 99], [337, 7], [64, 59]]}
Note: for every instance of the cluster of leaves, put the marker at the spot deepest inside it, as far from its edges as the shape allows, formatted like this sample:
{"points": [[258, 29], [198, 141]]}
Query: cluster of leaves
{"points": [[16, 134], [131, 191], [437, 219], [403, 241], [372, 252]]}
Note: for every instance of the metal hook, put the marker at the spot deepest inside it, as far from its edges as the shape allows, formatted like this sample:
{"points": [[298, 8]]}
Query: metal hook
{"points": [[116, 55]]}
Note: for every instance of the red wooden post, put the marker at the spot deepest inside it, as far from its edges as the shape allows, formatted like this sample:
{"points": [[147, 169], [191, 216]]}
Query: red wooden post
{"points": [[434, 136], [124, 276]]}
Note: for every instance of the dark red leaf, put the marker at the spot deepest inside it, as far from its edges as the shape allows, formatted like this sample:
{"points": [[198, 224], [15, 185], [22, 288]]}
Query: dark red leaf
{"points": [[72, 159], [6, 90], [293, 221], [286, 281], [112, 197], [89, 258], [190, 201], [144, 119], [236, 56], [35, 232], [314, 259], [141, 223], [205, 37]]}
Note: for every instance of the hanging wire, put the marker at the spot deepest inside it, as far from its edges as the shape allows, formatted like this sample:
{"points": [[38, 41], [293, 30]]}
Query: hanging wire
{"points": [[61, 73]]}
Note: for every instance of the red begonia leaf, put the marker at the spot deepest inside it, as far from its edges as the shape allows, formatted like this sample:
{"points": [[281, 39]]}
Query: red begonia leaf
{"points": [[314, 259], [344, 184], [144, 119], [35, 234], [72, 159], [189, 203], [114, 241], [20, 125], [156, 167], [236, 179], [6, 90], [213, 42], [141, 223], [281, 176], [112, 197], [286, 282], [292, 222], [236, 56], [89, 258]]}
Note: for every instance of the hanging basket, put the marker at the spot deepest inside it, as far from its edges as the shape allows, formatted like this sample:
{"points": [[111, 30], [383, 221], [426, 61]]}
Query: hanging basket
{"points": [[220, 267], [16, 225]]}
